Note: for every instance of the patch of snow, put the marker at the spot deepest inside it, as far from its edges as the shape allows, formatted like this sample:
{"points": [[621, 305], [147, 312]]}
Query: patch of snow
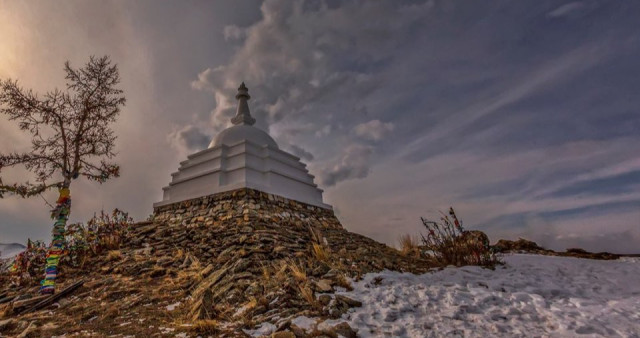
{"points": [[328, 324], [264, 329], [166, 330], [531, 295], [182, 335], [304, 322], [340, 289], [629, 259], [241, 310], [173, 306]]}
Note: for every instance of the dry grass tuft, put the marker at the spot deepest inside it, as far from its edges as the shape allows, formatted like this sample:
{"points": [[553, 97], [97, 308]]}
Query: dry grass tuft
{"points": [[114, 255], [179, 254], [281, 273], [320, 252], [206, 326], [409, 245], [298, 272], [342, 281], [266, 274], [307, 294]]}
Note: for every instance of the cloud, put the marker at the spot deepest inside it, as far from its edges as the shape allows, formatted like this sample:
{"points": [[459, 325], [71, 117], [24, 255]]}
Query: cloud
{"points": [[373, 130], [300, 152], [189, 139], [567, 9], [324, 131], [233, 32], [354, 163]]}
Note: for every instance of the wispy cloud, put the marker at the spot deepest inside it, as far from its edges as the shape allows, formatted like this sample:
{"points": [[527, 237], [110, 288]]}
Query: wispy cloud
{"points": [[373, 130]]}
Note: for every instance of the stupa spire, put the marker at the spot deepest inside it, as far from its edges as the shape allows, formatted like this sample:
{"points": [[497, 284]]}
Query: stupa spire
{"points": [[243, 115]]}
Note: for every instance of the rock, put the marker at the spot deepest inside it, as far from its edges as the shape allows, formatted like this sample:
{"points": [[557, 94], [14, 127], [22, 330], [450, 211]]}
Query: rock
{"points": [[324, 299], [165, 261], [157, 273], [348, 301], [297, 331], [577, 251], [521, 244], [324, 285], [30, 329], [475, 238], [283, 334], [6, 324], [343, 329], [321, 270], [49, 326]]}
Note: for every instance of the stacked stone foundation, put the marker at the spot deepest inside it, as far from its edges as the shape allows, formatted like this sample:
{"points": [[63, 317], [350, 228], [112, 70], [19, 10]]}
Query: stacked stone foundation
{"points": [[245, 206]]}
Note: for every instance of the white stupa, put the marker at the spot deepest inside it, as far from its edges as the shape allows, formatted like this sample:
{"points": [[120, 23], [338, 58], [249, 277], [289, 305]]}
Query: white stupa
{"points": [[242, 156]]}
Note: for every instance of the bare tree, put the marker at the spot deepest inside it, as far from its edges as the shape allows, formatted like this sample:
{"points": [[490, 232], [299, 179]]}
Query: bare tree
{"points": [[71, 137]]}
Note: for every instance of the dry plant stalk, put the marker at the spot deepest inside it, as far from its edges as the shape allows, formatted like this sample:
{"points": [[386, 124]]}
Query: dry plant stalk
{"points": [[307, 294], [320, 253], [408, 245], [298, 272]]}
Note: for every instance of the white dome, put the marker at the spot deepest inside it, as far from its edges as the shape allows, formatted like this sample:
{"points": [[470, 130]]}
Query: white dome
{"points": [[238, 133]]}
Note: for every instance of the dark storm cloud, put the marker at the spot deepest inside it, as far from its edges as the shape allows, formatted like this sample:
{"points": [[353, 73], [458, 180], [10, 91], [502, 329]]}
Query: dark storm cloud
{"points": [[300, 152], [193, 138], [354, 163]]}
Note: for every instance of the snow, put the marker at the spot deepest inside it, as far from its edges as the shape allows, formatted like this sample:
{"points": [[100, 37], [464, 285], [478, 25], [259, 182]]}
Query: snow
{"points": [[530, 296], [10, 250], [263, 329], [173, 306], [304, 322]]}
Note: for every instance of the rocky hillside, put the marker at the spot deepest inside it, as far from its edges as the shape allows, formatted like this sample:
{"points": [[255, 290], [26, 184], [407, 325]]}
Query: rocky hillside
{"points": [[218, 277]]}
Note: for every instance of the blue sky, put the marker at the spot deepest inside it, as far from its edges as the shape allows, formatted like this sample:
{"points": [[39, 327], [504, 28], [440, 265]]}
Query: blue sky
{"points": [[523, 115]]}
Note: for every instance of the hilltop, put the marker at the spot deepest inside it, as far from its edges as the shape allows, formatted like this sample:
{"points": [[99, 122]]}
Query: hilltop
{"points": [[8, 250], [220, 279]]}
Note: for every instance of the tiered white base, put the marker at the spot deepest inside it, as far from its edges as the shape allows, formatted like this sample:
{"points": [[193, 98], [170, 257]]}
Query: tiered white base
{"points": [[242, 165]]}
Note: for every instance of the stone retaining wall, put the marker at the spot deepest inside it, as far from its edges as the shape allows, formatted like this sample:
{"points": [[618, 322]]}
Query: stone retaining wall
{"points": [[244, 206]]}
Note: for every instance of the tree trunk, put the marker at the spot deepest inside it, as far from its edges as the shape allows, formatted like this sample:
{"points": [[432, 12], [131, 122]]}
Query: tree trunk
{"points": [[60, 214]]}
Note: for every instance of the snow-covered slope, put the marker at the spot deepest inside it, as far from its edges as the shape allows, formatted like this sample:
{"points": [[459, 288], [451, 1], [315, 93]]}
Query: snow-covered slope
{"points": [[10, 250], [531, 296]]}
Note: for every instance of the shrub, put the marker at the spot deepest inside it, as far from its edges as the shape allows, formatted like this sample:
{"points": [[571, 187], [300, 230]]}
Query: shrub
{"points": [[28, 265], [103, 232], [450, 244]]}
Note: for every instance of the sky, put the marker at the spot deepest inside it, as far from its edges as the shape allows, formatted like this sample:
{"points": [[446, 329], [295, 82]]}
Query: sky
{"points": [[522, 115]]}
